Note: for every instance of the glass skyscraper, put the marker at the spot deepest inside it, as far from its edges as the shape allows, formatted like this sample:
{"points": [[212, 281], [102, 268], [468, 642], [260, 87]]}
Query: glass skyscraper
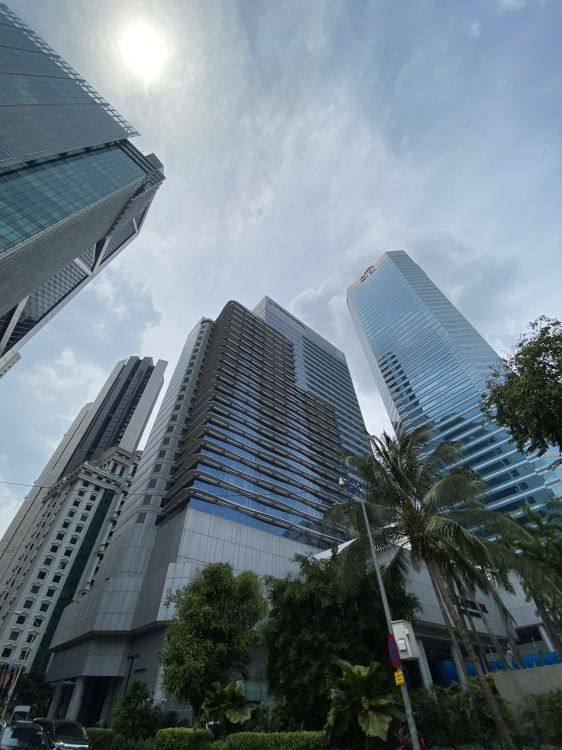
{"points": [[73, 190], [241, 464], [431, 366]]}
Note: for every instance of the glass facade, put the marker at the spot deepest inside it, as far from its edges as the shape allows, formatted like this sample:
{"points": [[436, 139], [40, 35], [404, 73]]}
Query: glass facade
{"points": [[430, 365], [73, 190], [34, 198], [262, 446]]}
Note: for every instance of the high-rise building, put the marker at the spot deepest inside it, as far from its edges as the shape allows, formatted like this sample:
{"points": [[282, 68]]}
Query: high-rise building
{"points": [[116, 419], [242, 461], [73, 190], [431, 367]]}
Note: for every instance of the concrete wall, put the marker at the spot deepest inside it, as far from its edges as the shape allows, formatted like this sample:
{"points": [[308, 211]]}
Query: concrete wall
{"points": [[515, 686]]}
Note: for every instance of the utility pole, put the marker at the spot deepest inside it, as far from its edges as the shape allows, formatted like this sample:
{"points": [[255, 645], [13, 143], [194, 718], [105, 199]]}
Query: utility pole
{"points": [[403, 687]]}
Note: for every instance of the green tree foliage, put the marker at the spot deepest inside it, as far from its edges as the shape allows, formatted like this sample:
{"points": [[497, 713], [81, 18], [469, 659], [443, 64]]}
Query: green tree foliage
{"points": [[421, 511], [525, 393], [363, 699], [538, 541], [225, 705], [313, 621], [31, 690], [540, 720], [134, 715], [213, 628]]}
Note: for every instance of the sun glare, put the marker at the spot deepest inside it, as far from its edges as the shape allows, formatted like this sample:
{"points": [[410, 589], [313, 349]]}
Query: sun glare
{"points": [[144, 51]]}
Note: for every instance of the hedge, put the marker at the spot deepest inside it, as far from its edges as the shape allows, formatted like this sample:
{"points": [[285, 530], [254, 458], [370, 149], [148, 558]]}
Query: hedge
{"points": [[276, 741], [182, 738], [100, 739]]}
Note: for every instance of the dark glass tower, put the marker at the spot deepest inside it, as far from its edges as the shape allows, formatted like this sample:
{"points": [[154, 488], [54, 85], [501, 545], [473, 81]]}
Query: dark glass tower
{"points": [[431, 366], [241, 464], [73, 190]]}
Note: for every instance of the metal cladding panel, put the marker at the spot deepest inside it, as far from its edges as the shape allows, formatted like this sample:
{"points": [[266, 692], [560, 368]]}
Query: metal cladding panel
{"points": [[35, 261]]}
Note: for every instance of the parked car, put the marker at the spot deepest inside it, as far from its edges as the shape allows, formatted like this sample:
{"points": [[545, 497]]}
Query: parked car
{"points": [[23, 735], [64, 734]]}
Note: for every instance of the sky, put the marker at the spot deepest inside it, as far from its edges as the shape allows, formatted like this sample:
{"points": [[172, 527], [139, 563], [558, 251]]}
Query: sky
{"points": [[301, 140]]}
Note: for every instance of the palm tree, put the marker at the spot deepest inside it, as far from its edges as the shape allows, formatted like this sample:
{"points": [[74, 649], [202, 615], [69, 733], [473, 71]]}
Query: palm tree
{"points": [[425, 513]]}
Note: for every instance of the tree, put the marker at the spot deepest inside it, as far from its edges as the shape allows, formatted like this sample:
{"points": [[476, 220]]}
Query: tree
{"points": [[423, 511], [314, 620], [362, 698], [538, 541], [134, 715], [525, 393], [209, 637], [226, 705]]}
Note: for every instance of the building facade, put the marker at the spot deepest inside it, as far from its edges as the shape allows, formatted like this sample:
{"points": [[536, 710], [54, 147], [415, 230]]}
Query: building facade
{"points": [[115, 421], [74, 191], [241, 464], [431, 367]]}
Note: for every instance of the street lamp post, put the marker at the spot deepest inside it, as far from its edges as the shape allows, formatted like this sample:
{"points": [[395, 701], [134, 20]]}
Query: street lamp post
{"points": [[403, 687], [131, 660]]}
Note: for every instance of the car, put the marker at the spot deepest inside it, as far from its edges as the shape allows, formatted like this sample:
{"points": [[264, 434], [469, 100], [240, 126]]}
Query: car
{"points": [[23, 735], [64, 734]]}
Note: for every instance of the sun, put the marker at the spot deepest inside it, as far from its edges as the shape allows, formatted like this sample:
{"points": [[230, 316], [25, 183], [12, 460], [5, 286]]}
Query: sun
{"points": [[144, 50]]}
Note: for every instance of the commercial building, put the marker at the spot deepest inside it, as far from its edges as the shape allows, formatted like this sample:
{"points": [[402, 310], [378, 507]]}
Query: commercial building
{"points": [[431, 366], [71, 510], [74, 191], [241, 464]]}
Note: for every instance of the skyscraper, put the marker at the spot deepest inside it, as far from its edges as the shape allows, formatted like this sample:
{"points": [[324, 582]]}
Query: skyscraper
{"points": [[73, 190], [431, 366], [116, 419], [241, 464]]}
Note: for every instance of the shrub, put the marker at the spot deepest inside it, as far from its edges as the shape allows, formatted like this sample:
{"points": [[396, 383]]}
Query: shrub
{"points": [[183, 738], [541, 720], [100, 739], [276, 741], [134, 716]]}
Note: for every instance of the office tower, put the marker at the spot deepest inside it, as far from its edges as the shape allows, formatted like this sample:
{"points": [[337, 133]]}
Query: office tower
{"points": [[431, 366], [242, 461], [73, 190], [115, 420], [71, 533]]}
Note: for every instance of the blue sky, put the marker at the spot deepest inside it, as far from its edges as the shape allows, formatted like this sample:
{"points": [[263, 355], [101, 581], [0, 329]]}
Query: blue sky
{"points": [[300, 140]]}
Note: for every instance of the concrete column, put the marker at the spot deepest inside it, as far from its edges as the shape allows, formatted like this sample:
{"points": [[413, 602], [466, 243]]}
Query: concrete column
{"points": [[546, 639], [76, 700], [105, 714], [55, 702], [459, 666], [425, 671]]}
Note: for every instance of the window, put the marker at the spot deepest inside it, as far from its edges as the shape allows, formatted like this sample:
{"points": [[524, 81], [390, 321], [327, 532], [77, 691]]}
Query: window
{"points": [[152, 483], [73, 540], [162, 454], [67, 552], [42, 574], [141, 517], [62, 564], [24, 654], [147, 499], [81, 493], [85, 484], [166, 441], [54, 548], [35, 588], [20, 619], [79, 529], [51, 592], [83, 517], [93, 498], [14, 635], [37, 622], [28, 603], [57, 577], [157, 467], [30, 638], [60, 536], [88, 508], [6, 652], [44, 607], [65, 524], [71, 513], [76, 503], [48, 561]]}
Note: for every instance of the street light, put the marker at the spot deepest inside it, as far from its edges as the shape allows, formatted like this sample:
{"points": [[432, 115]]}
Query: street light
{"points": [[403, 687]]}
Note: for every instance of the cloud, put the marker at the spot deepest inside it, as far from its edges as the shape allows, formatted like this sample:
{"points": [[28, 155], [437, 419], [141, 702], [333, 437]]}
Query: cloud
{"points": [[475, 30], [510, 5]]}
